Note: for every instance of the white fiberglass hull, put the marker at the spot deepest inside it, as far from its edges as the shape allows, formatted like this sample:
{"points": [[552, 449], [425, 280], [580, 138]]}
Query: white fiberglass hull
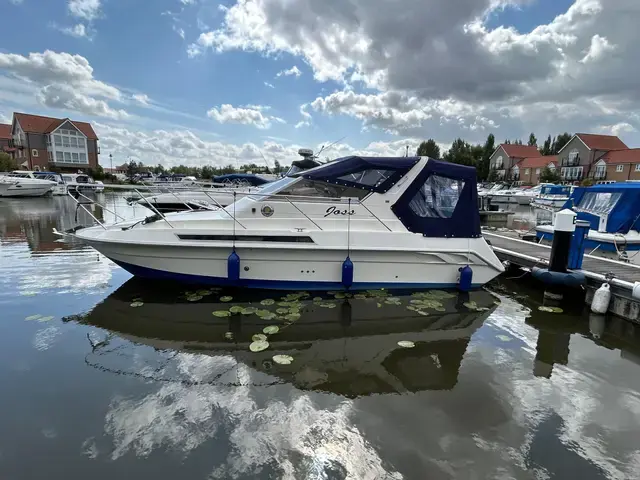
{"points": [[59, 190], [26, 190], [548, 203], [310, 266], [512, 199]]}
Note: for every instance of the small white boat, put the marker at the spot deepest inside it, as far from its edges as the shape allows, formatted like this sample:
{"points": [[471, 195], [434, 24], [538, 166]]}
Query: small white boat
{"points": [[99, 186], [552, 197], [22, 184], [352, 224], [79, 182], [518, 196]]}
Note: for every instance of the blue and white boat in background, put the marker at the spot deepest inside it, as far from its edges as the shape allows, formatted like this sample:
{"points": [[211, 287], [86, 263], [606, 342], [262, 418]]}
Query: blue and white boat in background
{"points": [[613, 212], [352, 224], [551, 197]]}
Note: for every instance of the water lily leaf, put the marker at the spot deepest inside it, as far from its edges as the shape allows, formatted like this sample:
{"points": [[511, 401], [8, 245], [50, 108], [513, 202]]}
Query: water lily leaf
{"points": [[228, 335], [423, 313], [249, 311], [221, 313], [504, 338], [226, 299], [137, 304], [194, 298], [262, 312], [340, 295], [282, 311], [292, 317], [360, 296], [267, 301], [236, 309], [406, 344], [471, 305], [440, 309], [46, 319], [33, 317], [317, 299], [556, 309], [283, 359], [545, 309], [271, 330], [259, 346], [411, 307], [327, 305], [259, 337], [379, 305], [294, 310], [204, 293]]}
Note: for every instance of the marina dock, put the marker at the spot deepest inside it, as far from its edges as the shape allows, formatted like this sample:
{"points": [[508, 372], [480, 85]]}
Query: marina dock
{"points": [[621, 276]]}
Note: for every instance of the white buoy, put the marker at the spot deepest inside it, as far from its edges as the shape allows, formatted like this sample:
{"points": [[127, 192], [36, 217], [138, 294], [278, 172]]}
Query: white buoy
{"points": [[635, 293], [601, 299]]}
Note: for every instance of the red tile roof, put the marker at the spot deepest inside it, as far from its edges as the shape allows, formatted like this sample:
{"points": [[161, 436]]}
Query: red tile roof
{"points": [[601, 142], [40, 124], [5, 131], [614, 157], [520, 151], [538, 162]]}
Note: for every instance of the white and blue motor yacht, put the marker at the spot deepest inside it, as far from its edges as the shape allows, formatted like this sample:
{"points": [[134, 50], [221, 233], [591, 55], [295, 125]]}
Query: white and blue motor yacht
{"points": [[352, 224]]}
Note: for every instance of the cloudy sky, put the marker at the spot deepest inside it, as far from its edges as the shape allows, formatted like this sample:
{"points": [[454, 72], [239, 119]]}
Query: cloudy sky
{"points": [[204, 81]]}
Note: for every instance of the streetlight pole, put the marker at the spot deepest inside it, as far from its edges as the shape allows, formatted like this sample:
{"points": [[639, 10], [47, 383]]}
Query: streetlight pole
{"points": [[111, 160]]}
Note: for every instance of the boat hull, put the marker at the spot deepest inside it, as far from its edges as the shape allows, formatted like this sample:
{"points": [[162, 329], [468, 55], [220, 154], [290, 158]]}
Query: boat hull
{"points": [[26, 191], [296, 268], [512, 199], [605, 242]]}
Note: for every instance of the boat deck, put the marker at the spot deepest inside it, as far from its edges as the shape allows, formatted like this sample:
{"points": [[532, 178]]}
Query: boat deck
{"points": [[530, 254]]}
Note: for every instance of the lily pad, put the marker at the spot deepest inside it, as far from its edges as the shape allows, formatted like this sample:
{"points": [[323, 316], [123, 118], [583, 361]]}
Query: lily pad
{"points": [[360, 296], [267, 301], [340, 295], [221, 313], [471, 305], [204, 293], [556, 309], [406, 344], [194, 298], [327, 305], [546, 309], [294, 310], [259, 337], [282, 311], [423, 313], [228, 335], [249, 311], [137, 304], [292, 317], [236, 309], [317, 299], [33, 317], [283, 359], [226, 299], [259, 346], [271, 330]]}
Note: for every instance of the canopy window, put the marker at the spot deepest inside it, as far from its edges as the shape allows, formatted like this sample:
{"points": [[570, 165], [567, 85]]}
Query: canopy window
{"points": [[373, 174], [600, 203], [308, 190], [441, 202]]}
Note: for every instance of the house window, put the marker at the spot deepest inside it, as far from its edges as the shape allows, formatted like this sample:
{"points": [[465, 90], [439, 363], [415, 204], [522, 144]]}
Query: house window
{"points": [[34, 152], [637, 167], [48, 139], [58, 140], [65, 141], [59, 157], [74, 156], [83, 158], [537, 171], [572, 173], [573, 156], [526, 171], [67, 156], [619, 168], [73, 141], [50, 155], [601, 171], [80, 142]]}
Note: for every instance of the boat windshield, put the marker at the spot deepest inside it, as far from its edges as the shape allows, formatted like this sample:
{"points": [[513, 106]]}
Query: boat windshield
{"points": [[19, 175], [48, 176], [600, 203]]}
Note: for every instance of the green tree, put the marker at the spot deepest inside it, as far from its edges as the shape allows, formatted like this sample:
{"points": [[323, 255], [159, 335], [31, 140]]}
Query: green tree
{"points": [[533, 141], [549, 175], [487, 151], [493, 175], [132, 168], [277, 168], [560, 141], [429, 149], [7, 163], [546, 148], [97, 173]]}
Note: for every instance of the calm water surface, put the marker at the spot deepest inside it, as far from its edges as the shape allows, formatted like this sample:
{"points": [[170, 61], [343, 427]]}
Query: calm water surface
{"points": [[95, 388]]}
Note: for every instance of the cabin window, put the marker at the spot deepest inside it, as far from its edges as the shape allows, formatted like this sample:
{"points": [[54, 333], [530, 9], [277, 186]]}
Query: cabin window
{"points": [[599, 203], [370, 178], [313, 189], [437, 198]]}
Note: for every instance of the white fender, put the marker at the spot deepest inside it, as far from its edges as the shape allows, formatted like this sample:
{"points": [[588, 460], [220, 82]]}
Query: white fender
{"points": [[601, 299]]}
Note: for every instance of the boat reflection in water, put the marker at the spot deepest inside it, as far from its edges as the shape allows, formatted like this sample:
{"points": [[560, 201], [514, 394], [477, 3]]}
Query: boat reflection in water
{"points": [[345, 346]]}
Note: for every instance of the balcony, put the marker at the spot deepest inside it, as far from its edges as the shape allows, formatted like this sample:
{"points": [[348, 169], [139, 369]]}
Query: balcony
{"points": [[600, 176], [574, 162]]}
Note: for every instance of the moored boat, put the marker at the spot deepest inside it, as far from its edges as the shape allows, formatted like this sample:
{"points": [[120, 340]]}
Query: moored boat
{"points": [[355, 223], [23, 184]]}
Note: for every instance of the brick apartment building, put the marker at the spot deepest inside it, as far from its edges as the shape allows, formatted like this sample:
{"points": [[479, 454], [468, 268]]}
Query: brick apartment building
{"points": [[46, 143], [507, 156], [5, 138]]}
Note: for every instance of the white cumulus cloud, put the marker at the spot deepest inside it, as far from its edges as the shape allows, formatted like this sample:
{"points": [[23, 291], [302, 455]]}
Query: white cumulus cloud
{"points": [[295, 71], [246, 115], [86, 9]]}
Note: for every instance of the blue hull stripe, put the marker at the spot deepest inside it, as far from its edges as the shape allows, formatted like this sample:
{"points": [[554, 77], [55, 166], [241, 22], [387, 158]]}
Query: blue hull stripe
{"points": [[591, 244], [275, 284]]}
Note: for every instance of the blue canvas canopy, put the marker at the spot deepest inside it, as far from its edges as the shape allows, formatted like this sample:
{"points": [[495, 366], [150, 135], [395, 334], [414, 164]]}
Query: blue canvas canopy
{"points": [[442, 201], [245, 178], [618, 202], [376, 174], [555, 190]]}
